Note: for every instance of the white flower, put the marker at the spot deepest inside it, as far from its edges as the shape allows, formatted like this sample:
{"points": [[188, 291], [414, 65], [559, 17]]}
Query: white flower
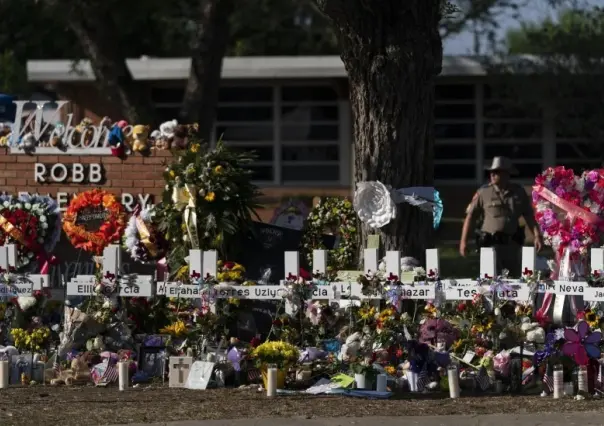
{"points": [[44, 225], [559, 333], [27, 206], [6, 204], [36, 206], [42, 218], [26, 302], [374, 204], [18, 206], [419, 271]]}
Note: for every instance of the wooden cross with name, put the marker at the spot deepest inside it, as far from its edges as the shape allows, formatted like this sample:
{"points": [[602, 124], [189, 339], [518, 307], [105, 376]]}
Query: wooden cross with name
{"points": [[132, 285], [25, 284], [201, 262]]}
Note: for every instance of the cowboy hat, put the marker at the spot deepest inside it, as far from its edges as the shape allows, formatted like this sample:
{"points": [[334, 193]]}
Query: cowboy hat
{"points": [[504, 164]]}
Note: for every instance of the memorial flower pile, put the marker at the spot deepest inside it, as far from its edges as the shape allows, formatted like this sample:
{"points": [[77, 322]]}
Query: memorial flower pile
{"points": [[32, 340]]}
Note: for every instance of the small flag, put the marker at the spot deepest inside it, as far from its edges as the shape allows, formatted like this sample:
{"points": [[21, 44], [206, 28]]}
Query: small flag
{"points": [[111, 374], [548, 380], [482, 379], [422, 380], [253, 374]]}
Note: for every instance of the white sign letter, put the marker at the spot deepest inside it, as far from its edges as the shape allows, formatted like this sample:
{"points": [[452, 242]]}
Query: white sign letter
{"points": [[39, 172], [62, 200], [53, 172], [94, 173], [128, 201], [77, 173]]}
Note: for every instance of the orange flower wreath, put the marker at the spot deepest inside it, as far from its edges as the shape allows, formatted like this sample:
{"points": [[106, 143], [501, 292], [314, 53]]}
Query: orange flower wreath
{"points": [[109, 232]]}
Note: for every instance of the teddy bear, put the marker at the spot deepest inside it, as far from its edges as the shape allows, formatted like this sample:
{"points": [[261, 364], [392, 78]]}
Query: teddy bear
{"points": [[180, 140], [140, 134], [79, 373]]}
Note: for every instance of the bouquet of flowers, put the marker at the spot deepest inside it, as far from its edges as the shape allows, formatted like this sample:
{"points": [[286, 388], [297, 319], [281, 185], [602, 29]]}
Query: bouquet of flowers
{"points": [[141, 238], [32, 223], [280, 353]]}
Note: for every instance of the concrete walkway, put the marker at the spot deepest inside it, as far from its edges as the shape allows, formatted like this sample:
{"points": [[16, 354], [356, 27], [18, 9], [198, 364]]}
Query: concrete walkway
{"points": [[553, 419]]}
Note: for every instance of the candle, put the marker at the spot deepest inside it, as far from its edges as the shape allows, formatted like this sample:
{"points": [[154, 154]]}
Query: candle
{"points": [[453, 378], [558, 381], [4, 374], [582, 379], [382, 381], [271, 382], [123, 375], [359, 380], [412, 379]]}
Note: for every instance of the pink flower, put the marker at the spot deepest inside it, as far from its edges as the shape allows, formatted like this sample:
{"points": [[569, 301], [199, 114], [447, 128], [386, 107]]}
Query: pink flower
{"points": [[580, 344]]}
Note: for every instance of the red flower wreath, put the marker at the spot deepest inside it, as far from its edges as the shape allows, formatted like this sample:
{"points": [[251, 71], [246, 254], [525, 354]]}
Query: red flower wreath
{"points": [[109, 232]]}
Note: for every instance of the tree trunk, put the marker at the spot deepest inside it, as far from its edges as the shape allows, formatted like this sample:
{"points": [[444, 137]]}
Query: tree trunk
{"points": [[208, 47], [392, 52], [113, 78]]}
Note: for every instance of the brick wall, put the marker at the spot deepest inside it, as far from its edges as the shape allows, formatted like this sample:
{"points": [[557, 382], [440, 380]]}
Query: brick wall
{"points": [[134, 175]]}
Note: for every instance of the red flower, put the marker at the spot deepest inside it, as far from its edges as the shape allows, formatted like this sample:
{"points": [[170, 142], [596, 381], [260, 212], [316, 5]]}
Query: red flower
{"points": [[229, 265], [527, 271], [305, 274], [255, 342], [461, 307], [399, 353], [277, 322], [581, 315]]}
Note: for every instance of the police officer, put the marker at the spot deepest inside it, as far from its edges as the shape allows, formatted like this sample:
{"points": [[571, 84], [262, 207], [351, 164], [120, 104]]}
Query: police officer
{"points": [[500, 204]]}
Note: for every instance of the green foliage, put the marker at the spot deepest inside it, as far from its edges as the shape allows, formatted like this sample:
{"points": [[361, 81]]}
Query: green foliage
{"points": [[218, 183], [565, 72], [336, 216]]}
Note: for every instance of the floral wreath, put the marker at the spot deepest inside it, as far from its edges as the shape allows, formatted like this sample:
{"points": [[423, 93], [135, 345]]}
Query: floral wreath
{"points": [[109, 232], [33, 223], [336, 214], [141, 239], [569, 208]]}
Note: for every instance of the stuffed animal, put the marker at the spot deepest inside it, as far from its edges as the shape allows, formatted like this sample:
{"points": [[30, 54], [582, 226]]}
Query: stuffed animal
{"points": [[168, 128], [79, 373], [117, 139], [140, 134], [534, 333], [180, 140], [28, 143]]}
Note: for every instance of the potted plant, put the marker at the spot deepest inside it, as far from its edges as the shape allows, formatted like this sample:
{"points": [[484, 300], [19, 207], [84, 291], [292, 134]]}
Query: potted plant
{"points": [[364, 374], [280, 354]]}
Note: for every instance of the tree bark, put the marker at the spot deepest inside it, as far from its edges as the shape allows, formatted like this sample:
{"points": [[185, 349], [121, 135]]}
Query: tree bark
{"points": [[98, 37], [392, 51], [208, 47]]}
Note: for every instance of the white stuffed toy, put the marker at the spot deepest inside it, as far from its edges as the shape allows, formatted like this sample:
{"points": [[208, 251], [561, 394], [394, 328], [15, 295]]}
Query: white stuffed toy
{"points": [[168, 128], [350, 349]]}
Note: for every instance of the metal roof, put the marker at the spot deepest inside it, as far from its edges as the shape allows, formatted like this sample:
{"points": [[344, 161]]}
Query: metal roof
{"points": [[257, 67]]}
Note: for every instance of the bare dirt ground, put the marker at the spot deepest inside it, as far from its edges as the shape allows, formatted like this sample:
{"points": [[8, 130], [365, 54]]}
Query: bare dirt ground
{"points": [[78, 406]]}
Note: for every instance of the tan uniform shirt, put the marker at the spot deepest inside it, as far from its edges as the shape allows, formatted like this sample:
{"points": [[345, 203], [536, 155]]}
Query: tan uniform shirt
{"points": [[501, 209]]}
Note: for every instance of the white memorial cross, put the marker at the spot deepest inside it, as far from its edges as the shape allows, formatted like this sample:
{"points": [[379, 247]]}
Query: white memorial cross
{"points": [[23, 284], [132, 285], [513, 290], [201, 263]]}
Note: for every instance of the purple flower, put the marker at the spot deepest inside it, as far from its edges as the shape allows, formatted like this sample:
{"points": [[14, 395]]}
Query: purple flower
{"points": [[592, 176], [560, 191]]}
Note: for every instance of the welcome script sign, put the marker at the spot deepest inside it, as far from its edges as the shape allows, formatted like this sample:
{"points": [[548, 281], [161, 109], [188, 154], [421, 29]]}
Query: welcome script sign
{"points": [[43, 119]]}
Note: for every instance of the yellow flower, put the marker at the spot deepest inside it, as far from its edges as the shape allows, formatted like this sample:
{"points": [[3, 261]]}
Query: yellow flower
{"points": [[367, 313], [175, 329], [194, 147], [210, 197], [233, 301], [172, 174], [456, 345], [390, 370], [218, 170]]}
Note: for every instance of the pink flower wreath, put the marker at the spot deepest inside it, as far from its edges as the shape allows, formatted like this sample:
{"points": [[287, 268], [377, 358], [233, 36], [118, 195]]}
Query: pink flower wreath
{"points": [[569, 208]]}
